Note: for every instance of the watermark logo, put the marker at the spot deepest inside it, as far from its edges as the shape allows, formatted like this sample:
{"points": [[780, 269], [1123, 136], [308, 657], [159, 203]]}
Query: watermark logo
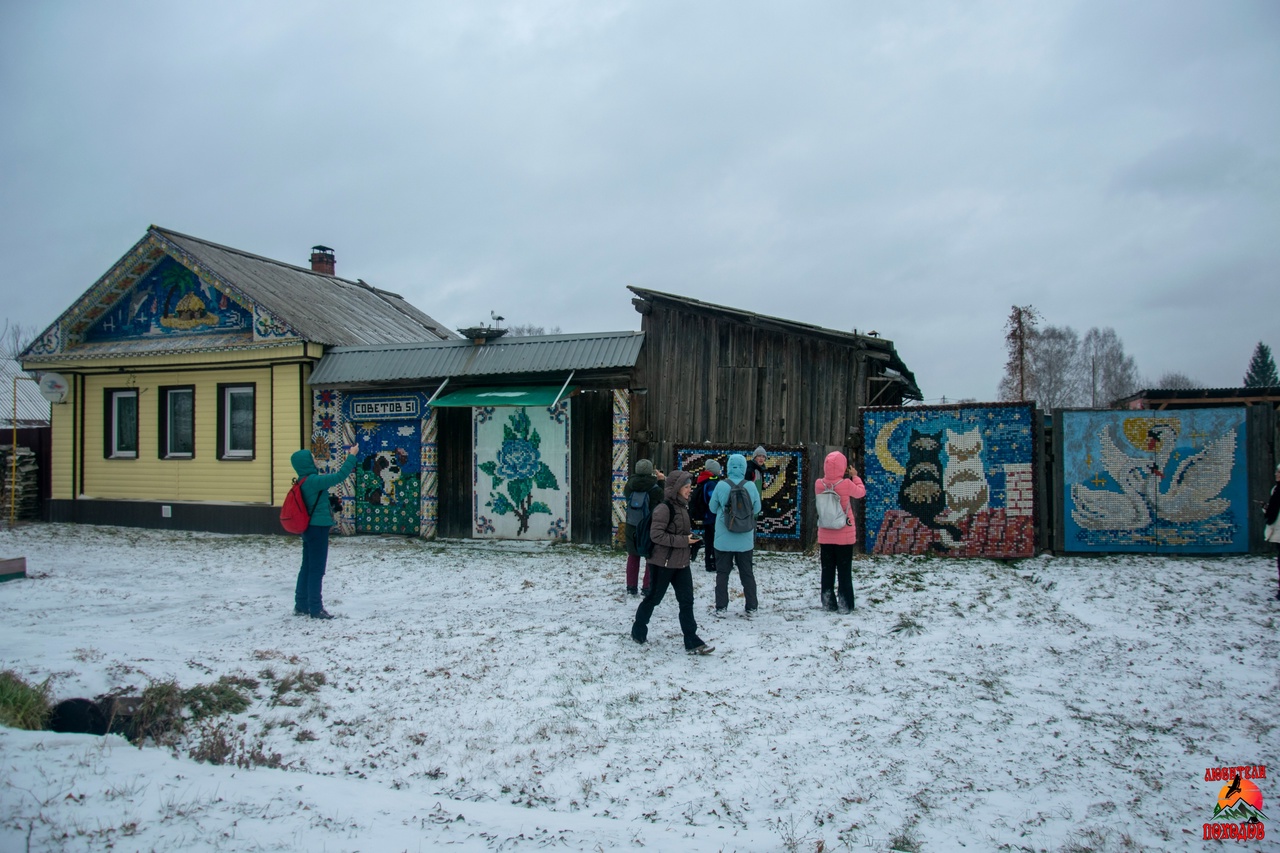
{"points": [[1238, 814]]}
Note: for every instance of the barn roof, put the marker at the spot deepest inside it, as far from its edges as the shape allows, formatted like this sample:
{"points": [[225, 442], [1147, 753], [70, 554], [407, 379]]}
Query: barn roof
{"points": [[1159, 398], [525, 356], [301, 303], [892, 364]]}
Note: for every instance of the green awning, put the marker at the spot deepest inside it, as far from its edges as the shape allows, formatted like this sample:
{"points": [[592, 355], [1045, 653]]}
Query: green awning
{"points": [[519, 395]]}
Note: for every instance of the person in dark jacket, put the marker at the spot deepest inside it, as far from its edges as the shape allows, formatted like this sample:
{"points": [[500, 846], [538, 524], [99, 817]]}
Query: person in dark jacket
{"points": [[672, 541], [1271, 515], [645, 479], [706, 484], [307, 597], [755, 467]]}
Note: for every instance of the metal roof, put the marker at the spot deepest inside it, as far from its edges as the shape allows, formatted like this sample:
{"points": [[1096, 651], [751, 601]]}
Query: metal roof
{"points": [[872, 343], [33, 409], [318, 308], [322, 308], [463, 359]]}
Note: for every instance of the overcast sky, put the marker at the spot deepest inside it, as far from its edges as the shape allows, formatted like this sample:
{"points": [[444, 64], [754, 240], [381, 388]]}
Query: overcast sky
{"points": [[912, 168]]}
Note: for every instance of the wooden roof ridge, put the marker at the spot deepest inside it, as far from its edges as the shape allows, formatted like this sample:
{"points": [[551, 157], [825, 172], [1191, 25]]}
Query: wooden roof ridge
{"points": [[883, 347], [167, 232], [752, 316]]}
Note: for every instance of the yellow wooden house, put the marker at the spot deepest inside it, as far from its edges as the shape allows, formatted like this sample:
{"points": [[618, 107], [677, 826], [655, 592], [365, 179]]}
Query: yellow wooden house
{"points": [[180, 381]]}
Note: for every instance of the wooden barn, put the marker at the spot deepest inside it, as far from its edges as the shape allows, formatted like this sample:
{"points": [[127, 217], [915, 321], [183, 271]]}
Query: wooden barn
{"points": [[713, 380]]}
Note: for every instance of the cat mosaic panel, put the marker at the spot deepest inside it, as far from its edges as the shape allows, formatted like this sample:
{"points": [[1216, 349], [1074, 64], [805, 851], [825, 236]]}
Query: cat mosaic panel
{"points": [[521, 472], [953, 480], [1154, 481], [779, 495], [385, 493]]}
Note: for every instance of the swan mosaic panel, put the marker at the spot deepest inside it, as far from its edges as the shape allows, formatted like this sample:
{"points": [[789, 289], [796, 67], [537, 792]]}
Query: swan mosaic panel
{"points": [[1169, 482]]}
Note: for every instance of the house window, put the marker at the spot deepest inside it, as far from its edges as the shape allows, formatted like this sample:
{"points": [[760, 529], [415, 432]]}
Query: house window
{"points": [[177, 422], [120, 432], [235, 421]]}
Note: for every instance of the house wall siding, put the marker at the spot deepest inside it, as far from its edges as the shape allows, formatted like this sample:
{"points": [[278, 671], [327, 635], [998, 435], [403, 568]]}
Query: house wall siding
{"points": [[204, 477]]}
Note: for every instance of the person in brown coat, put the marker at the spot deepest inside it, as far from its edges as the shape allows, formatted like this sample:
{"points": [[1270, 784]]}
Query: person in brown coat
{"points": [[672, 543]]}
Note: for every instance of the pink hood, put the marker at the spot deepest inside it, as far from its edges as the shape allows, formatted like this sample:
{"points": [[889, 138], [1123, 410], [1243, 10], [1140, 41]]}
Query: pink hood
{"points": [[833, 470], [835, 465]]}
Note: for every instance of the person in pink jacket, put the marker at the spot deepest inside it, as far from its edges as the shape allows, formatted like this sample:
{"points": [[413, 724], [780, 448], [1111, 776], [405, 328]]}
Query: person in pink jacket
{"points": [[836, 546]]}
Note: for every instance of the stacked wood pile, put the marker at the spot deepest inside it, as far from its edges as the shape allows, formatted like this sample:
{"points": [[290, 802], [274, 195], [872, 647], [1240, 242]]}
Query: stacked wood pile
{"points": [[22, 492]]}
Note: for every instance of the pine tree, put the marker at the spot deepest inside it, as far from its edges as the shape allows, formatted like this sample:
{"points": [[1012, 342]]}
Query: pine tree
{"points": [[1019, 331], [1262, 369]]}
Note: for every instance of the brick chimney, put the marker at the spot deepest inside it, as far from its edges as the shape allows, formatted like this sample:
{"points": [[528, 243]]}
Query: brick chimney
{"points": [[322, 260]]}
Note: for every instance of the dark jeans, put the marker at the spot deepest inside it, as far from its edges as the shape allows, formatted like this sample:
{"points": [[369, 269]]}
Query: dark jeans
{"points": [[709, 545], [838, 560], [315, 554], [681, 580], [725, 561]]}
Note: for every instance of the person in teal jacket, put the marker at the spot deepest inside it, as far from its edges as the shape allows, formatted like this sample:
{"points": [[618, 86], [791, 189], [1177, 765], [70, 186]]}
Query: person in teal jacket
{"points": [[307, 599], [734, 548]]}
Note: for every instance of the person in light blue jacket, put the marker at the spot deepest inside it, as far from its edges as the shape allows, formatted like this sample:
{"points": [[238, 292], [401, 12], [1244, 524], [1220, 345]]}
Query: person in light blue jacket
{"points": [[734, 547], [307, 592]]}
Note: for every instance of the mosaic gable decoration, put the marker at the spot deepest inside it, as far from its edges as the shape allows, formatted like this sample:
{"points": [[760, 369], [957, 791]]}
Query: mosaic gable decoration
{"points": [[953, 480], [169, 299], [521, 472], [1155, 481], [779, 494]]}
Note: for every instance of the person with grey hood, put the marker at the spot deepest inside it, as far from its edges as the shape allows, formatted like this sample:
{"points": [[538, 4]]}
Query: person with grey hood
{"points": [[735, 547], [307, 593], [671, 532], [646, 480]]}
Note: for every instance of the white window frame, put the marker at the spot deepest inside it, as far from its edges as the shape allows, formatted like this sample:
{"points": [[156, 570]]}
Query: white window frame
{"points": [[228, 394], [170, 394], [116, 397]]}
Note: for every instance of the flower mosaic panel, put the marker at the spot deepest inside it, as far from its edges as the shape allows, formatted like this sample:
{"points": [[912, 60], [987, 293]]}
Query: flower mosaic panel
{"points": [[521, 472], [780, 494], [954, 480], [168, 299], [1147, 481]]}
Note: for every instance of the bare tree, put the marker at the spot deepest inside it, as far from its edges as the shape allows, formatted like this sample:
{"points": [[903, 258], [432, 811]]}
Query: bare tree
{"points": [[1171, 381], [14, 338], [1019, 330], [529, 330], [1105, 372], [1055, 352]]}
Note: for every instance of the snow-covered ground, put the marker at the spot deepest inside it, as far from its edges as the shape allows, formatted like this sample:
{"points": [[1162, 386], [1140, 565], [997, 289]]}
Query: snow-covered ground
{"points": [[487, 696]]}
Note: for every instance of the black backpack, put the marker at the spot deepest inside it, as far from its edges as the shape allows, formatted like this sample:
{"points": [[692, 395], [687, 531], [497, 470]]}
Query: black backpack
{"points": [[698, 502], [641, 536], [637, 507]]}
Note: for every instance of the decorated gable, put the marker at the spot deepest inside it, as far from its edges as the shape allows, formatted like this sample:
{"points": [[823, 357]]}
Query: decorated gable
{"points": [[170, 300]]}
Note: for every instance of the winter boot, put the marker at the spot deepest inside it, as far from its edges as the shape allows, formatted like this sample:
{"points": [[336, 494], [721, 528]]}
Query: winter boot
{"points": [[829, 600], [846, 605]]}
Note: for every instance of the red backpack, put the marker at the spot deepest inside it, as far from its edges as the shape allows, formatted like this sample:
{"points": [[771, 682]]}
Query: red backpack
{"points": [[294, 515]]}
